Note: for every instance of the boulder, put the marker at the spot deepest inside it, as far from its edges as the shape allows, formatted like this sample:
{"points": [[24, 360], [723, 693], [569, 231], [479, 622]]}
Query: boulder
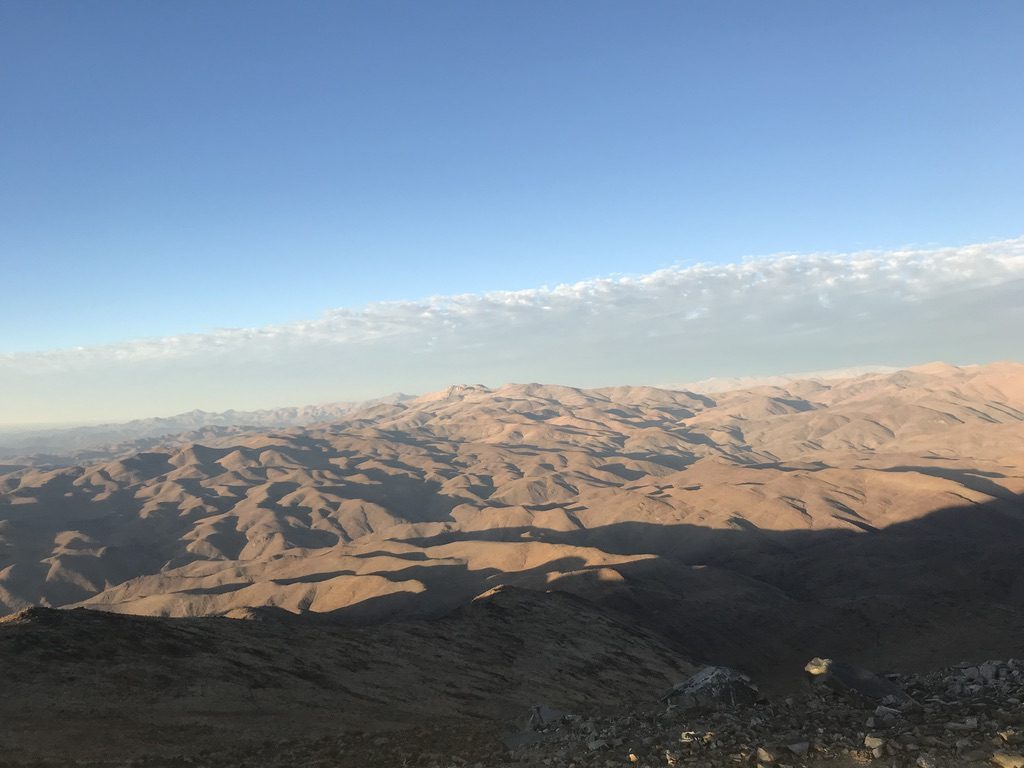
{"points": [[714, 688], [765, 756], [542, 715], [800, 748], [850, 678]]}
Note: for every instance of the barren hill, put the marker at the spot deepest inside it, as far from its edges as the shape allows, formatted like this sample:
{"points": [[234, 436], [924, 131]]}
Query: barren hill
{"points": [[750, 526]]}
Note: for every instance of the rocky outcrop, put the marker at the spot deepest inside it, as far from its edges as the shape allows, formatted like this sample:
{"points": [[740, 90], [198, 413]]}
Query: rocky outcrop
{"points": [[970, 714], [849, 678], [713, 688]]}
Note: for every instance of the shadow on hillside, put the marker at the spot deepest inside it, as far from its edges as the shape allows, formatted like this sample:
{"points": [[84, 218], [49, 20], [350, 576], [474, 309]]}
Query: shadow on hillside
{"points": [[974, 479], [946, 587], [938, 589], [141, 536]]}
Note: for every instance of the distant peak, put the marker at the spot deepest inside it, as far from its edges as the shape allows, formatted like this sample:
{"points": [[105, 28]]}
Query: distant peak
{"points": [[455, 392], [936, 368], [459, 389]]}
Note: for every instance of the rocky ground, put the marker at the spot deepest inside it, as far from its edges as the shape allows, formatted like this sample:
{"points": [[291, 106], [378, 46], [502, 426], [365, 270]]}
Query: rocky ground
{"points": [[961, 716]]}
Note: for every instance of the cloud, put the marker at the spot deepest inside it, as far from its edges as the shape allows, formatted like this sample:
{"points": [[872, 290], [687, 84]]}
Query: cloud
{"points": [[760, 316]]}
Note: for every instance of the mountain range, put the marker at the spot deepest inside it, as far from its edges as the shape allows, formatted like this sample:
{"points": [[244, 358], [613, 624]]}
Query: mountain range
{"points": [[858, 514], [66, 444]]}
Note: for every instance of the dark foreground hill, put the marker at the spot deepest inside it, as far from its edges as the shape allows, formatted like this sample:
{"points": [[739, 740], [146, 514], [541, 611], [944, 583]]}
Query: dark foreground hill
{"points": [[519, 678], [81, 685]]}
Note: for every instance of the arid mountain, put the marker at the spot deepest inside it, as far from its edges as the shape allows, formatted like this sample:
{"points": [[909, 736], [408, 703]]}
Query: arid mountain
{"points": [[878, 516], [65, 445]]}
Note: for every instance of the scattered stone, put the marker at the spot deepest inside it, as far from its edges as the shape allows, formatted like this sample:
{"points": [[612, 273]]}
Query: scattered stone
{"points": [[940, 720]]}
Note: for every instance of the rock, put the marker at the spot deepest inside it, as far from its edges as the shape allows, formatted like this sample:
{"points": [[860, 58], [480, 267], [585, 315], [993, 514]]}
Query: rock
{"points": [[969, 724], [800, 748], [596, 744], [925, 761], [1008, 760], [541, 715], [872, 742], [974, 755], [713, 688], [765, 756], [847, 677]]}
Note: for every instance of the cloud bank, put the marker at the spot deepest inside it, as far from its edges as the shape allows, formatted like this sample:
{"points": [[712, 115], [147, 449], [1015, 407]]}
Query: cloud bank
{"points": [[761, 316]]}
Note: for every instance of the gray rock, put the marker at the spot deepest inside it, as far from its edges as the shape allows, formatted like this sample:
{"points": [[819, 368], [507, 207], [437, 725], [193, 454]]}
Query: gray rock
{"points": [[974, 755], [848, 677], [714, 687], [541, 715], [800, 748]]}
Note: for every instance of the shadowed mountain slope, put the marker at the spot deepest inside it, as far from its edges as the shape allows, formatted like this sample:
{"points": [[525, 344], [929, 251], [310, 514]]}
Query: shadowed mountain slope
{"points": [[88, 683]]}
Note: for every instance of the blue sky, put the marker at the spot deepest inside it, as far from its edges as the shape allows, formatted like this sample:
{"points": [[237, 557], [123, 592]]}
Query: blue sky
{"points": [[175, 168]]}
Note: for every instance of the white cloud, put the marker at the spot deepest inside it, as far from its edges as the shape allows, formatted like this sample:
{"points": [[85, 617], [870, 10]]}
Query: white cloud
{"points": [[761, 316]]}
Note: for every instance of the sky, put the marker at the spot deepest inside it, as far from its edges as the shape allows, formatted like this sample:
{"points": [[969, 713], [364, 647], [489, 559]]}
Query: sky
{"points": [[254, 204]]}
